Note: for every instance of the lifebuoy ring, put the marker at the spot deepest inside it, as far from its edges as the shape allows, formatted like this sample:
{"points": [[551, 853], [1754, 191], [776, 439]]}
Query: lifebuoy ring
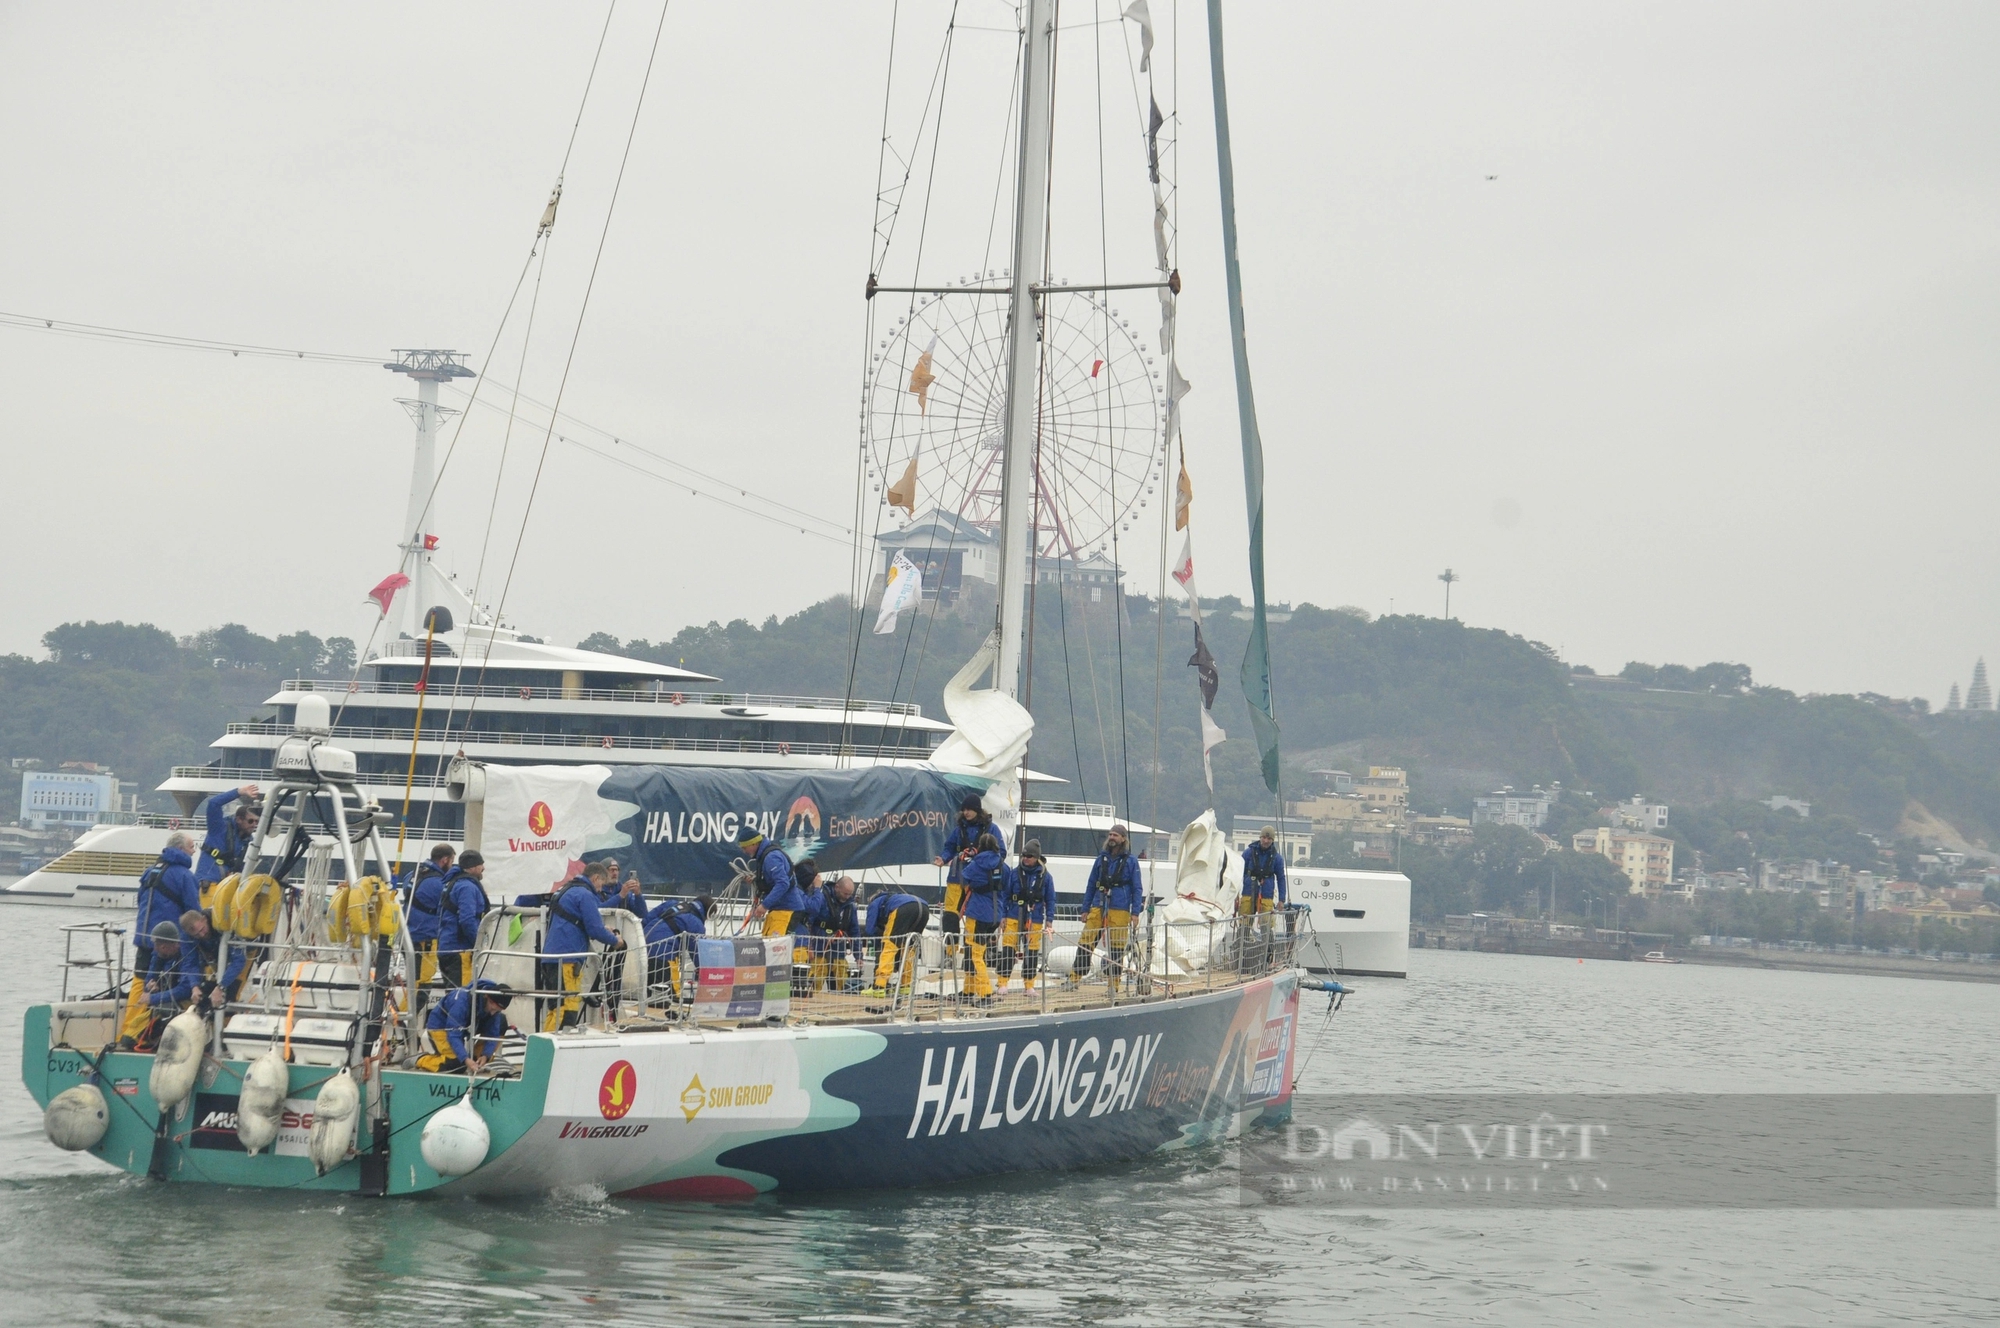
{"points": [[218, 897]]}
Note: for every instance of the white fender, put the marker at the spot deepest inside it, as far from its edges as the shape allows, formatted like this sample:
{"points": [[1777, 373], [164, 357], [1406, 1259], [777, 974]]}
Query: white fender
{"points": [[178, 1060], [76, 1118], [1062, 960], [455, 1140], [334, 1114], [262, 1103]]}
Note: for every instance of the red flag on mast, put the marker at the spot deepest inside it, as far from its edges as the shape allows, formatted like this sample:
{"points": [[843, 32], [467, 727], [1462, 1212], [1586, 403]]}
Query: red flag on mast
{"points": [[385, 592]]}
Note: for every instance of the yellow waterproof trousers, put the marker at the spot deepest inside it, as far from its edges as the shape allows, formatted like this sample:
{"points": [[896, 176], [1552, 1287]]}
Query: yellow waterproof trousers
{"points": [[570, 1008]]}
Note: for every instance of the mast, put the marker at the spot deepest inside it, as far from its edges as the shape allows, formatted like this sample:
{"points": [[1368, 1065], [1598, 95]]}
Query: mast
{"points": [[1031, 204], [428, 368]]}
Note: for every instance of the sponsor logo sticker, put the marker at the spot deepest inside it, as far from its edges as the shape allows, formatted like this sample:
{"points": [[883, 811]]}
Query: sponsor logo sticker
{"points": [[540, 819], [125, 1087], [615, 1092]]}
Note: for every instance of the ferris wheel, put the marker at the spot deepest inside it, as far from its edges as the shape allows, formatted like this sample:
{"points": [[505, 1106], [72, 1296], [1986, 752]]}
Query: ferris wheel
{"points": [[937, 391]]}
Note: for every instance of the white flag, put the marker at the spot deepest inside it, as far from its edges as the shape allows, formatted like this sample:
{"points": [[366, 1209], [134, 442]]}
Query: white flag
{"points": [[903, 589], [1139, 13], [1212, 737]]}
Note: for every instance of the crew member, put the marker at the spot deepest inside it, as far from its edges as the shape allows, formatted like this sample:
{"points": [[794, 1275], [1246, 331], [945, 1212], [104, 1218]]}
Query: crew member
{"points": [[959, 847], [985, 877], [167, 890], [836, 935], [462, 903], [629, 896], [665, 926], [228, 837], [574, 922], [1263, 878], [198, 933], [808, 950], [778, 893], [1031, 899], [1110, 898], [455, 1045], [172, 972], [427, 907], [893, 914]]}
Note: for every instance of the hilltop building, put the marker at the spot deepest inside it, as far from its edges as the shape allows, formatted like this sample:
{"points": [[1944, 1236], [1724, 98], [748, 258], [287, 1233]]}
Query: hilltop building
{"points": [[1778, 802], [1378, 803], [1952, 702], [1979, 696], [951, 550]]}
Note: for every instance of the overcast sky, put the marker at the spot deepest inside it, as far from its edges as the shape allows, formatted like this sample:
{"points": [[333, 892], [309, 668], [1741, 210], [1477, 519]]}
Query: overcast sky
{"points": [[1707, 372]]}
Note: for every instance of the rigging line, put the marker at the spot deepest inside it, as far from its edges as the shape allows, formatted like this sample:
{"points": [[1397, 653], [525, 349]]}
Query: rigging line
{"points": [[940, 76], [856, 558], [943, 87], [542, 232], [714, 498], [620, 440], [493, 505], [939, 90], [569, 360], [1111, 459], [98, 332]]}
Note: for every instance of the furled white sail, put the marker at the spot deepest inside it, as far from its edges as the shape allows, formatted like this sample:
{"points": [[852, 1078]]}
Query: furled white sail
{"points": [[990, 736], [1190, 928]]}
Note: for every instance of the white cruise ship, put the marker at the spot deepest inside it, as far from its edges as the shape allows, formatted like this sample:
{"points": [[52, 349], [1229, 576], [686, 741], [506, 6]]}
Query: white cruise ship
{"points": [[495, 695]]}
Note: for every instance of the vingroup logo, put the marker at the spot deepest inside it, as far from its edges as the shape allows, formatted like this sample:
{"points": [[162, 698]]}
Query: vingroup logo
{"points": [[540, 819], [615, 1093]]}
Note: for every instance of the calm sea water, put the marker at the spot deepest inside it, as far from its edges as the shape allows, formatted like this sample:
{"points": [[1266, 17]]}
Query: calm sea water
{"points": [[1160, 1242]]}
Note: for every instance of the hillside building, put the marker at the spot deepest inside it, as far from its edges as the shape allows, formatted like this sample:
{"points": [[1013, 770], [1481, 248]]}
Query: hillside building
{"points": [[1505, 806], [1638, 814], [1295, 836], [1647, 860]]}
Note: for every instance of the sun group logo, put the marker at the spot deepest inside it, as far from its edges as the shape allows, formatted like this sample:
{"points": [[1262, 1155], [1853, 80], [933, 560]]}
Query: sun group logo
{"points": [[803, 820], [693, 1098], [616, 1091], [540, 820]]}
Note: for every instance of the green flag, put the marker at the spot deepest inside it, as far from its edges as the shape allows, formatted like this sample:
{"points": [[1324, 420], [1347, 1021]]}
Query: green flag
{"points": [[1256, 673]]}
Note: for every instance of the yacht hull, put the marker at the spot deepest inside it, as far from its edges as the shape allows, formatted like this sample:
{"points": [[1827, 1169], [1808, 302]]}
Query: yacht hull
{"points": [[718, 1114]]}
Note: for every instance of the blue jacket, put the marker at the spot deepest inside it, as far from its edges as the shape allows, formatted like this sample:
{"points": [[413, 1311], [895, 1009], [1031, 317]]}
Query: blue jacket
{"points": [[1031, 894], [222, 848], [574, 922], [452, 1016], [1263, 872], [1114, 884], [610, 898], [211, 950], [669, 922], [167, 890], [965, 835], [776, 889], [427, 901], [881, 907], [460, 907], [176, 977], [834, 918], [985, 879]]}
